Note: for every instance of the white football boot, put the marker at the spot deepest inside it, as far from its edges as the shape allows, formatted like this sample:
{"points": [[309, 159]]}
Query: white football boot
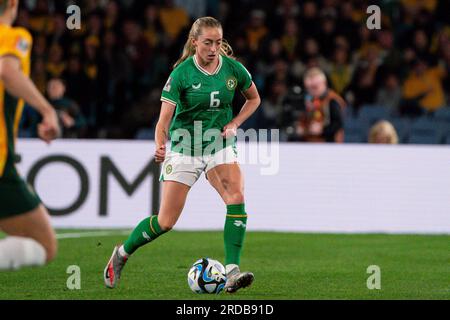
{"points": [[237, 280], [114, 268]]}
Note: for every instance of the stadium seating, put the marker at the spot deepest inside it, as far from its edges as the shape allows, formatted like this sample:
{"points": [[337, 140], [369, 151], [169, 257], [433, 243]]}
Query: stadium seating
{"points": [[432, 138], [447, 138], [348, 111], [369, 114], [443, 114], [354, 131], [442, 120], [425, 131], [145, 134], [403, 127]]}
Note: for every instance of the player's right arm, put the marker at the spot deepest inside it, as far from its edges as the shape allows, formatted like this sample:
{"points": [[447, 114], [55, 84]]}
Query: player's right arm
{"points": [[170, 97], [20, 86], [162, 130]]}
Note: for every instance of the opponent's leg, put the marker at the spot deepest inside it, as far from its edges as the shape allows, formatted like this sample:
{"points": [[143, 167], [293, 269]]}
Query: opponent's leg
{"points": [[229, 183], [173, 199], [31, 240]]}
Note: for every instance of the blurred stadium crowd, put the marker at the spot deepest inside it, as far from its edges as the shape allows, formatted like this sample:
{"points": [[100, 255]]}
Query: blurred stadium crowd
{"points": [[106, 79]]}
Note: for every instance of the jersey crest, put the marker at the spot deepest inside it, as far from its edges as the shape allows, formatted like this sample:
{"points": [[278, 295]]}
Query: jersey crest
{"points": [[231, 83], [22, 45]]}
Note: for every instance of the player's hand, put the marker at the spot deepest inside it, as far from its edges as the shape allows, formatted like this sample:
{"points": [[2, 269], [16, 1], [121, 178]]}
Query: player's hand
{"points": [[230, 130], [48, 129], [66, 119], [316, 128], [160, 153]]}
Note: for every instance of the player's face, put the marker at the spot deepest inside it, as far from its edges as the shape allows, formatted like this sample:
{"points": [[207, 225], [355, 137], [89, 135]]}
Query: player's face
{"points": [[208, 44], [315, 86]]}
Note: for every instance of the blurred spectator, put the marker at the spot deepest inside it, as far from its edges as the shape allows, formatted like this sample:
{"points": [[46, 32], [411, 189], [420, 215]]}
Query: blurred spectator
{"points": [[76, 81], [256, 29], [173, 19], [290, 40], [73, 123], [287, 9], [383, 132], [390, 94], [40, 19], [112, 18], [346, 24], [421, 45], [443, 51], [280, 72], [117, 71], [137, 51], [94, 82], [40, 48], [340, 70], [152, 31], [194, 8], [416, 5], [59, 34], [422, 89], [38, 74], [23, 19], [56, 64], [328, 33], [311, 51], [125, 47], [309, 18], [143, 114], [135, 46], [94, 29], [364, 42], [321, 119], [363, 84], [272, 106], [390, 55]]}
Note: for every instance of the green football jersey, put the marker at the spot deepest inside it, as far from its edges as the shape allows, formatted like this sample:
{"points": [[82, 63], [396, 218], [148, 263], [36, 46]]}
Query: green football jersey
{"points": [[203, 103]]}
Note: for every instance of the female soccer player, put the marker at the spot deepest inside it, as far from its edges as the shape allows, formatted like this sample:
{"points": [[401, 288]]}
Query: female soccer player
{"points": [[31, 240], [199, 91]]}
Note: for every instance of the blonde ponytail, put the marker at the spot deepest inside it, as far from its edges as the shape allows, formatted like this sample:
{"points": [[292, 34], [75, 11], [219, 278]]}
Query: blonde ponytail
{"points": [[226, 49], [196, 29], [188, 50]]}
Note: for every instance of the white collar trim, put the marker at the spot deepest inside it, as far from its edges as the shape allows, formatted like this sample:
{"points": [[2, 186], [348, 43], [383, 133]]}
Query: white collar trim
{"points": [[202, 70]]}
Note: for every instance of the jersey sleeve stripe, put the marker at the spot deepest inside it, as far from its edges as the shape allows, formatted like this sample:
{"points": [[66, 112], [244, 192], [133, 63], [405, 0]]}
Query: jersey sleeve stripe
{"points": [[10, 53], [245, 89], [168, 101]]}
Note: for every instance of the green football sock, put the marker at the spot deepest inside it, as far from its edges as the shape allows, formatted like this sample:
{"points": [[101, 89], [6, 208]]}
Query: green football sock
{"points": [[146, 231], [234, 232]]}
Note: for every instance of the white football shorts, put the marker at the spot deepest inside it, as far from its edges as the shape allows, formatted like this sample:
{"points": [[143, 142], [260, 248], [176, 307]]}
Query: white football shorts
{"points": [[187, 169]]}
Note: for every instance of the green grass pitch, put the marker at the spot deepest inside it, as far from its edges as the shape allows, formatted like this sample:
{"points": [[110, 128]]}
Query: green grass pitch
{"points": [[286, 266]]}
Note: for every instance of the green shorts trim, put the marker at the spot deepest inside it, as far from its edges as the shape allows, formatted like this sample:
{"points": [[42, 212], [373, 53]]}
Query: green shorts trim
{"points": [[16, 197]]}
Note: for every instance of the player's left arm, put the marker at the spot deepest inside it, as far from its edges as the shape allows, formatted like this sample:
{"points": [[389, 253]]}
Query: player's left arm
{"points": [[20, 86], [252, 102]]}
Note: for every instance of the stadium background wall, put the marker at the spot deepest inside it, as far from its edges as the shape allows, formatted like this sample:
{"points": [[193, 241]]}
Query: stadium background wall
{"points": [[317, 188]]}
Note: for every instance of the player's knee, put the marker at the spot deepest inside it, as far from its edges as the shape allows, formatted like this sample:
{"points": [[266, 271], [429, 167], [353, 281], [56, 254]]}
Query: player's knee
{"points": [[235, 197], [166, 225]]}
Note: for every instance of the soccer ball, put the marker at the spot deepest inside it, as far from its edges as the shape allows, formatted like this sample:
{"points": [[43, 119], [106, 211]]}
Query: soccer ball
{"points": [[207, 276]]}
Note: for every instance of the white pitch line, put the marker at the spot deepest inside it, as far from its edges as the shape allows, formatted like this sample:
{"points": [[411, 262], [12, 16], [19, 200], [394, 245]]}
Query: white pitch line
{"points": [[76, 235]]}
